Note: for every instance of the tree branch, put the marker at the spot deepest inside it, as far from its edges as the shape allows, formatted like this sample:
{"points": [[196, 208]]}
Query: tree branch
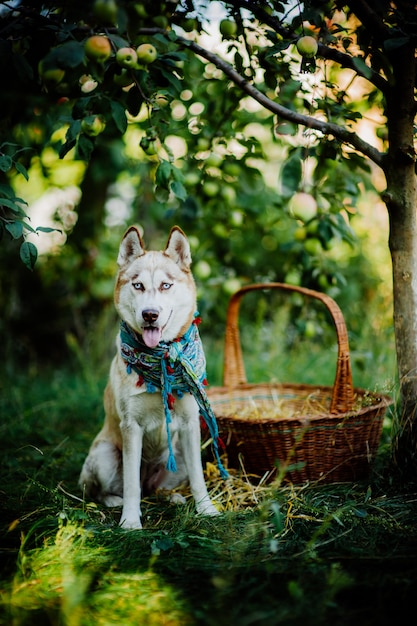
{"points": [[326, 52], [341, 133], [327, 128]]}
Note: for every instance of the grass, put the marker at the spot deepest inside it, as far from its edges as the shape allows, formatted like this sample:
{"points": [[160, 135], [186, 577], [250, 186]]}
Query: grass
{"points": [[344, 554], [283, 351]]}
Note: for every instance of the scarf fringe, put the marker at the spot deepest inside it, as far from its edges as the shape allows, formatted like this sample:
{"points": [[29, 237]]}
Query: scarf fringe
{"points": [[161, 363]]}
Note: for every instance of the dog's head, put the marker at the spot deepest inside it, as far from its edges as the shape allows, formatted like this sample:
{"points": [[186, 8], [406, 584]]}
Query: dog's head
{"points": [[155, 291]]}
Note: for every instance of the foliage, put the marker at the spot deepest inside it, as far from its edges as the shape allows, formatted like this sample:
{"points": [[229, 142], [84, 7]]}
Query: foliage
{"points": [[13, 218], [278, 554], [175, 142], [84, 88]]}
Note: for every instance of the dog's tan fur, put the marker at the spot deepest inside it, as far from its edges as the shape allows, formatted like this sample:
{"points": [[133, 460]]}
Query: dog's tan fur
{"points": [[130, 452]]}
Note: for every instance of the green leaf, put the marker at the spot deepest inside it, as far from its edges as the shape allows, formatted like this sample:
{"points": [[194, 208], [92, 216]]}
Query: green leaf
{"points": [[270, 79], [68, 55], [28, 254], [47, 229], [179, 190], [67, 147], [285, 128], [172, 35], [239, 62], [278, 47], [120, 42], [15, 208], [163, 174], [361, 67], [15, 229], [173, 80], [22, 170], [6, 191], [81, 106], [85, 147], [73, 130], [161, 38], [177, 174], [28, 227], [6, 163], [291, 175], [119, 116], [70, 138]]}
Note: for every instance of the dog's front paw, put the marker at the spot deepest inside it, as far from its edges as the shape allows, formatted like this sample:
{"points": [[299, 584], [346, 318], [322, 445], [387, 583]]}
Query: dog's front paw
{"points": [[111, 500], [207, 508], [130, 524], [177, 498]]}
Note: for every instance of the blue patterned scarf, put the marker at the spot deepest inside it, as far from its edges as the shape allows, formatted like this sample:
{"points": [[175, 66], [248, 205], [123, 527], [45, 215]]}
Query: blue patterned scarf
{"points": [[176, 366]]}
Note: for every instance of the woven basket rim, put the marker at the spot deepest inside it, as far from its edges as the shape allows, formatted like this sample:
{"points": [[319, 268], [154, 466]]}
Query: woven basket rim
{"points": [[380, 401]]}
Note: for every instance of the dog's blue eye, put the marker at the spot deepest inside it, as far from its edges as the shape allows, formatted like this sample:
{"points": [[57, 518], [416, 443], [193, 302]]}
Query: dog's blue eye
{"points": [[138, 286], [165, 286]]}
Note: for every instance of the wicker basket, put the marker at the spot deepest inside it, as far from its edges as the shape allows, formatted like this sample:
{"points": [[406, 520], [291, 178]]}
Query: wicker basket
{"points": [[335, 442]]}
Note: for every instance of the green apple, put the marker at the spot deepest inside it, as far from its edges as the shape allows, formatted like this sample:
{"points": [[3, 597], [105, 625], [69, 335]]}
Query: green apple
{"points": [[310, 329], [300, 233], [210, 188], [98, 48], [303, 206], [236, 218], [202, 269], [127, 57], [228, 193], [51, 77], [189, 25], [161, 21], [232, 168], [149, 145], [323, 282], [313, 246], [307, 46], [105, 11], [140, 10], [146, 53], [228, 28], [220, 230], [93, 125], [293, 277], [192, 178], [213, 160], [231, 285], [161, 100], [203, 144]]}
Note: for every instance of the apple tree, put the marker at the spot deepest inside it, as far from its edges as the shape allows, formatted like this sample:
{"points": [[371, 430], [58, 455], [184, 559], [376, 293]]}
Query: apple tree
{"points": [[81, 78]]}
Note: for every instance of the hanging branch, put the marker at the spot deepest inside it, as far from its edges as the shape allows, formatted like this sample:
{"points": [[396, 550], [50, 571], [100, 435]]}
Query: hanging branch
{"points": [[326, 52], [327, 128]]}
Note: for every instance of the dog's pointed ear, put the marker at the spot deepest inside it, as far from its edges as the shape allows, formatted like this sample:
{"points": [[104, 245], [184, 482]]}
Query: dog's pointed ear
{"points": [[131, 247], [178, 248]]}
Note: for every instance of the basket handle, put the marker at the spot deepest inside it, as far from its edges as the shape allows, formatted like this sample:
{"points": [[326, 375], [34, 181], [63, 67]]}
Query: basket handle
{"points": [[234, 369]]}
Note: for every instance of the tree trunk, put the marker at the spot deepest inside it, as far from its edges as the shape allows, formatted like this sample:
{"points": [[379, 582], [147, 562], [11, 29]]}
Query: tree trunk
{"points": [[401, 201]]}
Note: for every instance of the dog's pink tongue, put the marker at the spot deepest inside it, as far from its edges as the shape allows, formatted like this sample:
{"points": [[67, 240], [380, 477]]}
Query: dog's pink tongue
{"points": [[152, 336]]}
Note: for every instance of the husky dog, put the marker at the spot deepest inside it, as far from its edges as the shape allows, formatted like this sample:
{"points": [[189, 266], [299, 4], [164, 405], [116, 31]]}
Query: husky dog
{"points": [[155, 297]]}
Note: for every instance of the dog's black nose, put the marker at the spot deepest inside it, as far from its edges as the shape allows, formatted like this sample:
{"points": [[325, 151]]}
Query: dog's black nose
{"points": [[150, 315]]}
